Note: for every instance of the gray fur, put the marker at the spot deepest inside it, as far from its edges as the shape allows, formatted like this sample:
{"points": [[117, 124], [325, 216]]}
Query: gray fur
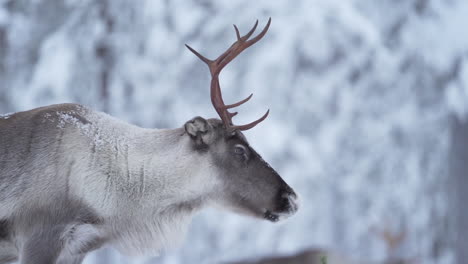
{"points": [[72, 180]]}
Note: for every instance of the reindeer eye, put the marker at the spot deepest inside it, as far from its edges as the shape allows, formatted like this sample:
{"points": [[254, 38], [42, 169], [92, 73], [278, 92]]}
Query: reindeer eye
{"points": [[239, 150]]}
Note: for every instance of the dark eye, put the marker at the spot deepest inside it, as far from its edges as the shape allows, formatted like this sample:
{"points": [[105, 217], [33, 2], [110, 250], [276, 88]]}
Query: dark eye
{"points": [[239, 150]]}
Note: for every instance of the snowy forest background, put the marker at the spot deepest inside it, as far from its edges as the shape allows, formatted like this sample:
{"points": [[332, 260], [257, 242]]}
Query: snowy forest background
{"points": [[368, 104]]}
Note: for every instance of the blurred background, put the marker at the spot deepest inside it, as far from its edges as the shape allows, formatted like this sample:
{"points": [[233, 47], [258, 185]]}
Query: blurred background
{"points": [[368, 104]]}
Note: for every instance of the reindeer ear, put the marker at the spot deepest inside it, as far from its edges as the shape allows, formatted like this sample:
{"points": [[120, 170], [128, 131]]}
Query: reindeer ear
{"points": [[200, 131]]}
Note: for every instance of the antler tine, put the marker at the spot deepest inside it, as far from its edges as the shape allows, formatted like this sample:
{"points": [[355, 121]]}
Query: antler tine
{"points": [[252, 124], [237, 33], [217, 65], [247, 36], [241, 45], [201, 57], [238, 103], [239, 41], [259, 36]]}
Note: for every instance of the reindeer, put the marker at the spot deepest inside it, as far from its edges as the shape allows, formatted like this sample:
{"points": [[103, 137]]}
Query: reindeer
{"points": [[73, 180]]}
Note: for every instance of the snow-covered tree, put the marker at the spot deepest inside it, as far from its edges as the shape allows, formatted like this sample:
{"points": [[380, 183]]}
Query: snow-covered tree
{"points": [[362, 93]]}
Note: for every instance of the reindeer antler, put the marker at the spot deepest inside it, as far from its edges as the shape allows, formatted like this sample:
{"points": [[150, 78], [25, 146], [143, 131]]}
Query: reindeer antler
{"points": [[217, 65]]}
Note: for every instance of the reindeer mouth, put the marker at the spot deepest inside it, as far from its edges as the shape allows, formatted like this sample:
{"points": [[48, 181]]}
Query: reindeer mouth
{"points": [[277, 216], [289, 206], [268, 215]]}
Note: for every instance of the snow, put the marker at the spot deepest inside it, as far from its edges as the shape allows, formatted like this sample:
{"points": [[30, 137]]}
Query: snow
{"points": [[6, 116], [360, 93]]}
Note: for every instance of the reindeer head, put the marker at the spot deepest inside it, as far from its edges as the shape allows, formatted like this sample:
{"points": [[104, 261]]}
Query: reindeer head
{"points": [[249, 184]]}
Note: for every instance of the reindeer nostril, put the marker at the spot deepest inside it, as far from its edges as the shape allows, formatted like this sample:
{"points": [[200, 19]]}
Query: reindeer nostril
{"points": [[284, 202], [293, 195], [287, 192], [287, 200]]}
